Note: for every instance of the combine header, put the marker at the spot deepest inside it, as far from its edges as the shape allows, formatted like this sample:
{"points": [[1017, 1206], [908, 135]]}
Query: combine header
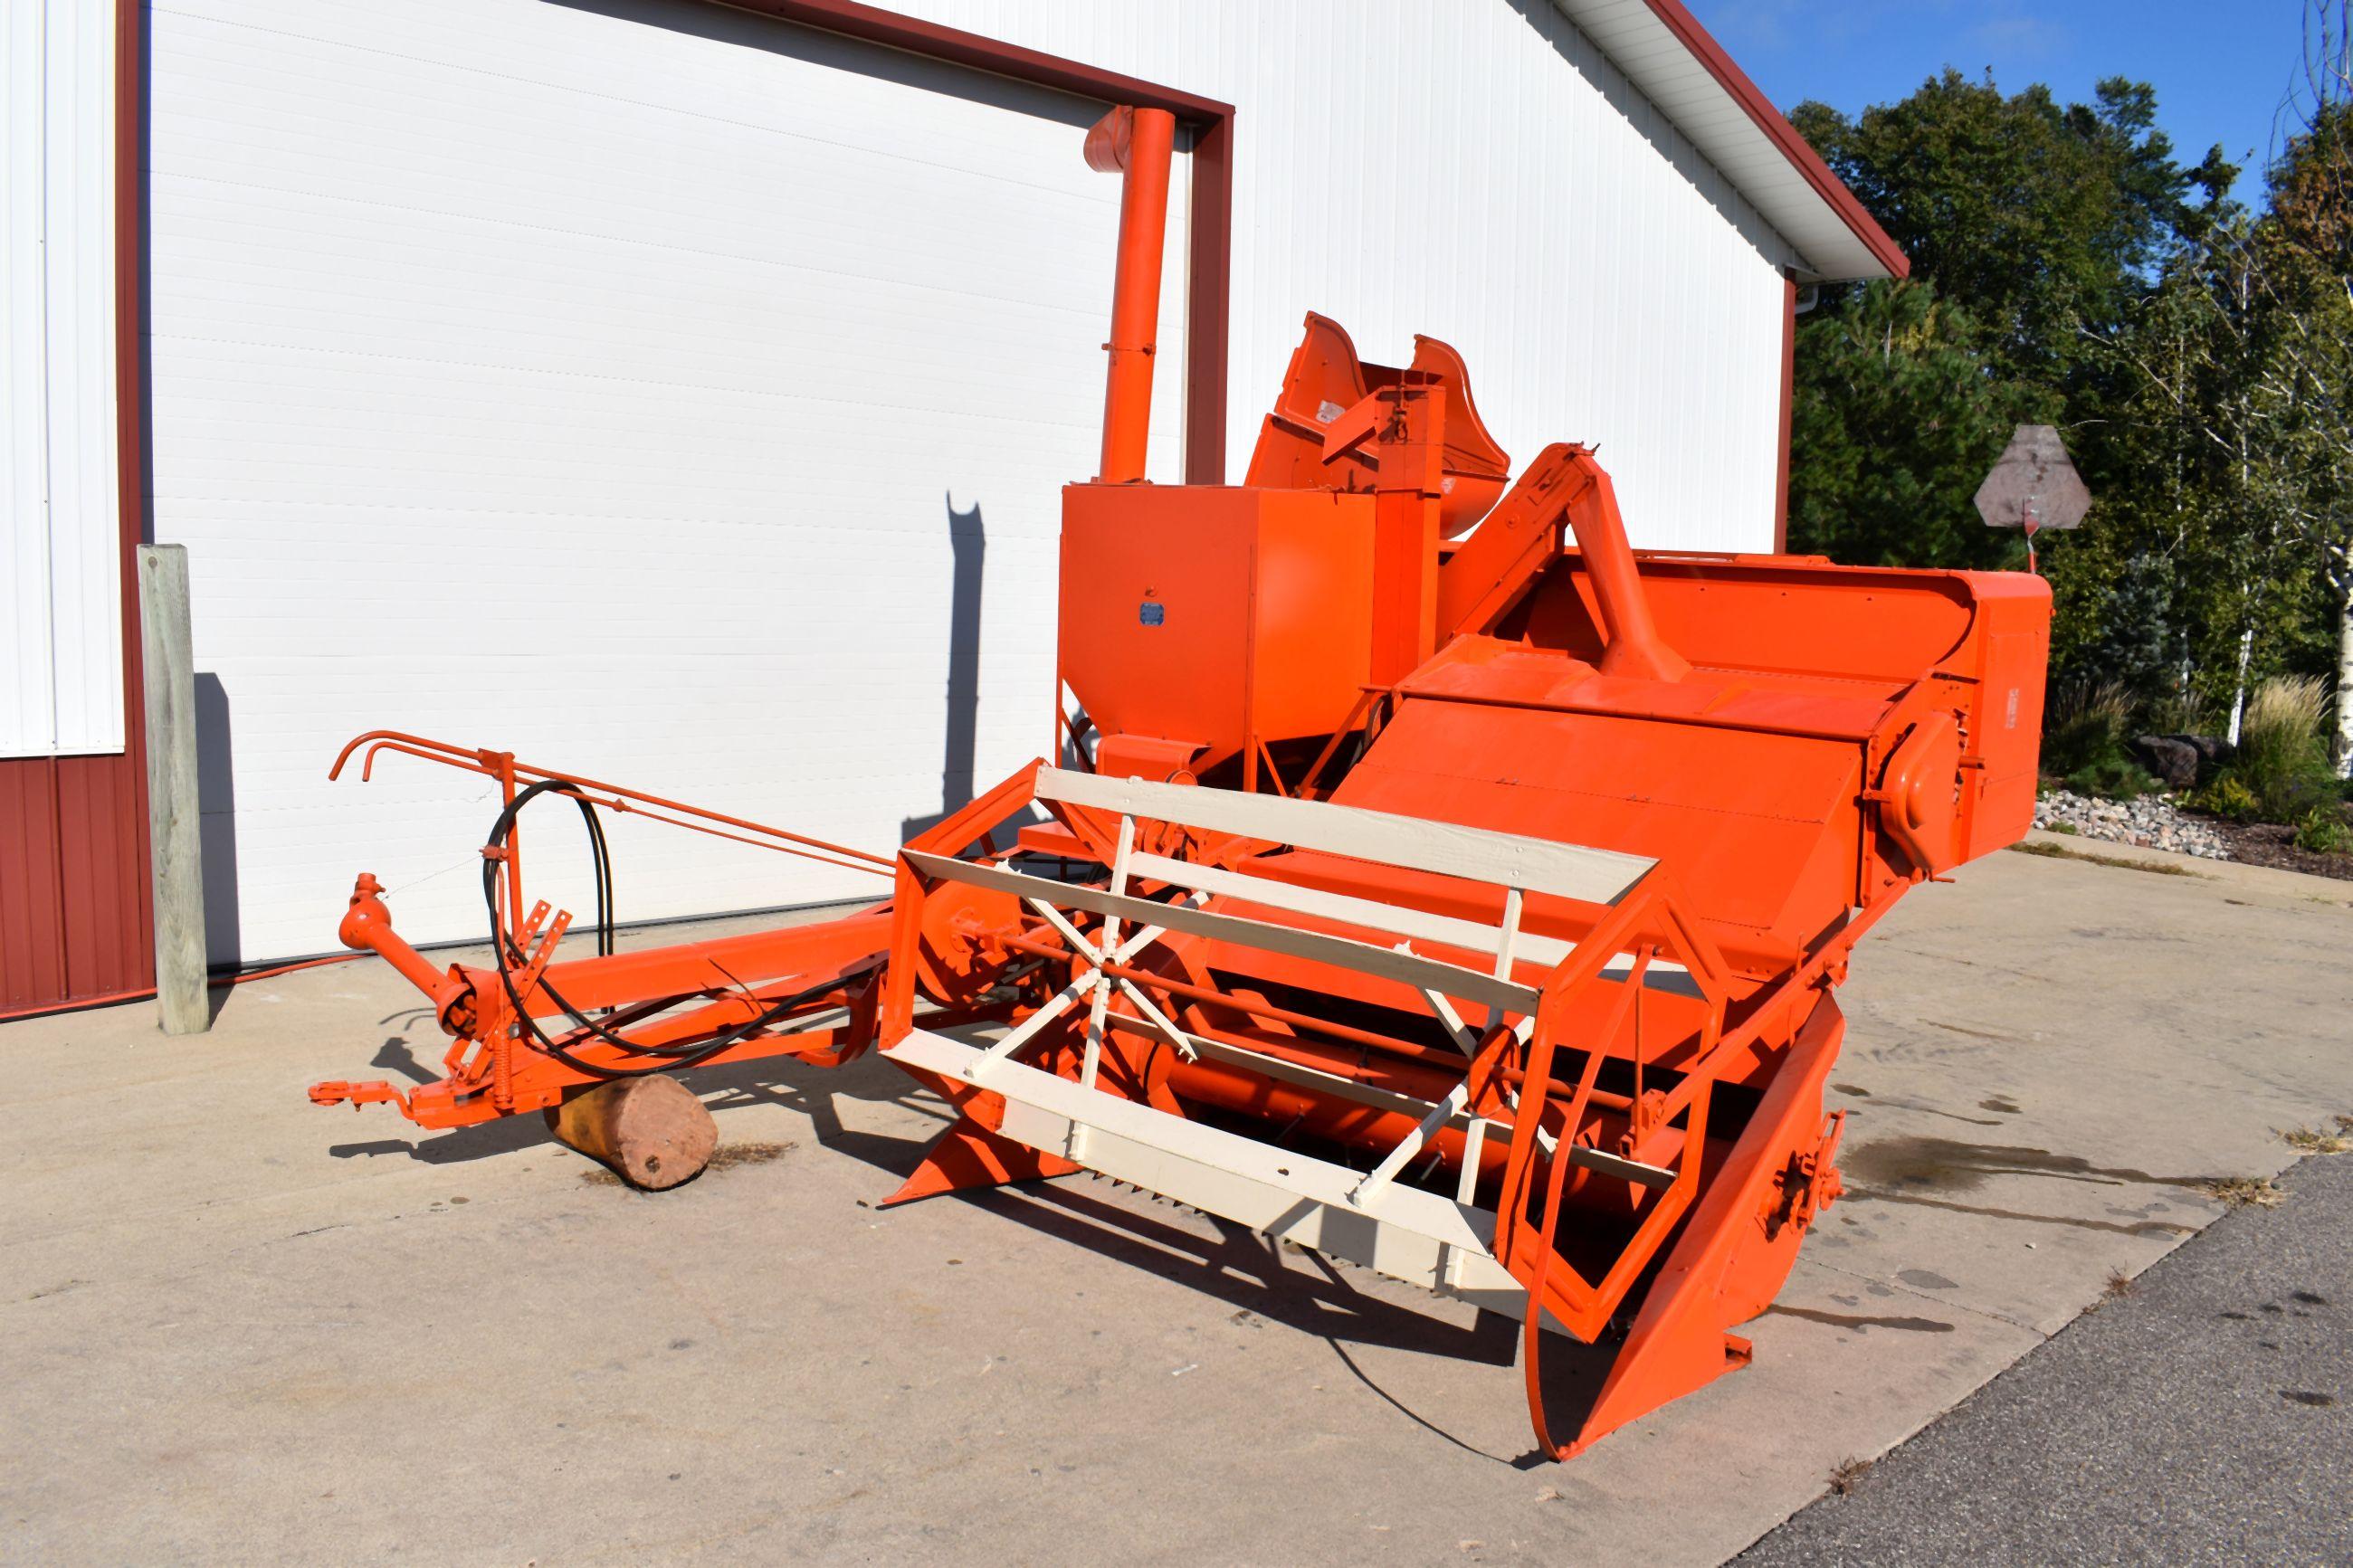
{"points": [[1432, 881]]}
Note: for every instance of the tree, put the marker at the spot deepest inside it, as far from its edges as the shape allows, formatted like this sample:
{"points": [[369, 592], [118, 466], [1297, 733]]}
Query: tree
{"points": [[1897, 414], [2030, 214], [2311, 241], [2237, 363], [2022, 218], [2240, 365], [2069, 269]]}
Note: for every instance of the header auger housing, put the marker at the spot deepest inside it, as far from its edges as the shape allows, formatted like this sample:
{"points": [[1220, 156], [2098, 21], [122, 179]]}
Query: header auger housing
{"points": [[1432, 880]]}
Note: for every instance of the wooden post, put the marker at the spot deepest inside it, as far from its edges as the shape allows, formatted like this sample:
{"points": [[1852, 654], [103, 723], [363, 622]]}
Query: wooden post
{"points": [[173, 824]]}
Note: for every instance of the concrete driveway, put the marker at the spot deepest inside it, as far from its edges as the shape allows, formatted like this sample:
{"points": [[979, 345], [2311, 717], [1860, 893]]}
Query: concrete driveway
{"points": [[242, 1328]]}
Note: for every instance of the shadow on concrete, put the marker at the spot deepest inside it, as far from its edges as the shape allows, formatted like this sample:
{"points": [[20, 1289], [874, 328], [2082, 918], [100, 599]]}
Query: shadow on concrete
{"points": [[1258, 1276], [395, 1056], [772, 1080], [1293, 1287]]}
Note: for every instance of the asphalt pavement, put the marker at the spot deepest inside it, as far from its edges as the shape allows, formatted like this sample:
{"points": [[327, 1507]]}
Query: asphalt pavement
{"points": [[2204, 1416]]}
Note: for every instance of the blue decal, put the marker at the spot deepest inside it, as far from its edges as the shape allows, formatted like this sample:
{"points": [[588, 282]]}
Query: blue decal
{"points": [[1152, 612]]}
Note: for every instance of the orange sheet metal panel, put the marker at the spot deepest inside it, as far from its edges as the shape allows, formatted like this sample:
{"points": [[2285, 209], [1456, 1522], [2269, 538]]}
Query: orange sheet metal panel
{"points": [[1825, 700], [1794, 614], [1759, 827], [2014, 643], [1206, 615]]}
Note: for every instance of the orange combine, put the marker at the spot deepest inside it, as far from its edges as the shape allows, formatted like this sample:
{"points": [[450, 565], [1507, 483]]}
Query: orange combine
{"points": [[1432, 881]]}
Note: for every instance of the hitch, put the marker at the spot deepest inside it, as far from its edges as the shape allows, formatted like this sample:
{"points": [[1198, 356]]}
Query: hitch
{"points": [[342, 1091]]}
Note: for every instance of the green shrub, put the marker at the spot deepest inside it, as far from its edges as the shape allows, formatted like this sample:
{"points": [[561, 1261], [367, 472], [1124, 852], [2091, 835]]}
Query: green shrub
{"points": [[2084, 742], [2177, 713], [2112, 778], [2226, 796], [2085, 726], [2322, 831], [2281, 760]]}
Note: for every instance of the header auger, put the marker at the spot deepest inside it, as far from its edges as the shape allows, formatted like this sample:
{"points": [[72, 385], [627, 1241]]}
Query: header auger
{"points": [[1432, 880]]}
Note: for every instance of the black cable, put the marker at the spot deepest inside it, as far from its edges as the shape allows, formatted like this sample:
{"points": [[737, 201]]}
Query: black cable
{"points": [[604, 861], [506, 954]]}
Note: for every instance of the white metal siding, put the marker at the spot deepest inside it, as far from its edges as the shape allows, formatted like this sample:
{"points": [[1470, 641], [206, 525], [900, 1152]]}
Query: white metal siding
{"points": [[605, 386], [602, 380], [1479, 171], [60, 547], [1640, 45]]}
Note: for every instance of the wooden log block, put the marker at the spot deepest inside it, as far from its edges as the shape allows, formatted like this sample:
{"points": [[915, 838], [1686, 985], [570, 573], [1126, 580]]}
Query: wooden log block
{"points": [[651, 1132]]}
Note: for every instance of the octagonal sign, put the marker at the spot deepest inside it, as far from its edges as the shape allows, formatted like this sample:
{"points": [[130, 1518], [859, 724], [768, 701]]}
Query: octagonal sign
{"points": [[2033, 485]]}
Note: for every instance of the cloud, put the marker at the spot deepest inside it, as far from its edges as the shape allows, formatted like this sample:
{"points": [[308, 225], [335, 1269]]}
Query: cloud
{"points": [[2019, 38], [1756, 26]]}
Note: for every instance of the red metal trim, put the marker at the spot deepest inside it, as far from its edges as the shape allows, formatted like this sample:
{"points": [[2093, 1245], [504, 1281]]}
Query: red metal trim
{"points": [[133, 912], [1208, 302], [32, 934], [1788, 404], [75, 915], [75, 1004], [888, 28], [1784, 136], [1210, 286]]}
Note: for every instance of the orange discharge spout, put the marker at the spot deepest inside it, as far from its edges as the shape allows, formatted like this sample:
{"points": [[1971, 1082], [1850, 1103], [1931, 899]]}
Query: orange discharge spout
{"points": [[1138, 144], [1634, 647]]}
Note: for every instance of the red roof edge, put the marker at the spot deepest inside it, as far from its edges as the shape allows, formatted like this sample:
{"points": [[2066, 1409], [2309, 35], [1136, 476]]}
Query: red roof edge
{"points": [[1784, 136]]}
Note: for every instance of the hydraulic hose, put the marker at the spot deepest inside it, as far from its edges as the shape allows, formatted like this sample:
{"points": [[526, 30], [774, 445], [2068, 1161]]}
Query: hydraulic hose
{"points": [[507, 955]]}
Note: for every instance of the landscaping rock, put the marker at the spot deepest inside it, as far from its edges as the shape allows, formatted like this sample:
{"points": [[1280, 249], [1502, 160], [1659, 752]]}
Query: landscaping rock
{"points": [[2153, 821], [2172, 758], [2213, 751]]}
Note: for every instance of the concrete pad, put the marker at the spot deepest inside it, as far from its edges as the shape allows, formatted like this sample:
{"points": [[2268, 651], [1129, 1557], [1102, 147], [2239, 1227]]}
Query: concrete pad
{"points": [[246, 1328]]}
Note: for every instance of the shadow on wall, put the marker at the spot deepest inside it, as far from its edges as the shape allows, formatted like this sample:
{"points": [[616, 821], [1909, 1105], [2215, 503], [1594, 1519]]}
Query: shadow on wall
{"points": [[696, 19], [216, 814], [968, 544]]}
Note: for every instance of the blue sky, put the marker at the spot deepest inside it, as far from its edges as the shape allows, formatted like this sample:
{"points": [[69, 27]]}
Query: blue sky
{"points": [[2220, 66]]}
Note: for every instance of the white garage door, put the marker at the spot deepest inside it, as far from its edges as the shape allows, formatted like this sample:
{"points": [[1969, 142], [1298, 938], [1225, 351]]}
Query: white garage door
{"points": [[659, 392]]}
